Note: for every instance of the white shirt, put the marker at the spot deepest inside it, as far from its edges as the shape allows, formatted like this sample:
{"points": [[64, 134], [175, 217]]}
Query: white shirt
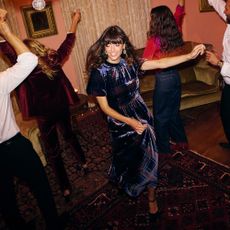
{"points": [[9, 80], [219, 6]]}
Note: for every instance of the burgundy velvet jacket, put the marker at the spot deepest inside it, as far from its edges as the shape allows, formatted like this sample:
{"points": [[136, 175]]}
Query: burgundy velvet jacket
{"points": [[39, 96]]}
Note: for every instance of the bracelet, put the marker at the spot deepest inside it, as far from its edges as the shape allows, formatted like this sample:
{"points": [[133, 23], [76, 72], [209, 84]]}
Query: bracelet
{"points": [[220, 63]]}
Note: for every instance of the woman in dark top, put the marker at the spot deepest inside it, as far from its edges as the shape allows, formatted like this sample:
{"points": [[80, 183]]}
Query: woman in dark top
{"points": [[46, 95], [113, 72]]}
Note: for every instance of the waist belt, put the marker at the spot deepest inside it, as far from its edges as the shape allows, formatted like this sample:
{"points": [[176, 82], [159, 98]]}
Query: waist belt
{"points": [[11, 140]]}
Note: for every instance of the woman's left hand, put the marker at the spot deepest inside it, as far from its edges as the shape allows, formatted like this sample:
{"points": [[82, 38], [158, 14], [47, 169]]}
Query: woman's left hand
{"points": [[197, 50], [76, 16]]}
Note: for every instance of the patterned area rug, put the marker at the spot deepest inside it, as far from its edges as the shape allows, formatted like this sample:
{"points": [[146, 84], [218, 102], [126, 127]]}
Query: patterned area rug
{"points": [[193, 191]]}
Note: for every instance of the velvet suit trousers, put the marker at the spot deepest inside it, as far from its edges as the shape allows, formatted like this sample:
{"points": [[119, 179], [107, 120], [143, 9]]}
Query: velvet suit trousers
{"points": [[49, 127]]}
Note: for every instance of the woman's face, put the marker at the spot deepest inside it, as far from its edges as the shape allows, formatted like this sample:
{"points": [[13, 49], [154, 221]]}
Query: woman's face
{"points": [[114, 52]]}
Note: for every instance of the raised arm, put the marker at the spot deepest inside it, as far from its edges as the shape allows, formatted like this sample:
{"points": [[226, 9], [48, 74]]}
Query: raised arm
{"points": [[181, 2], [171, 61], [179, 14], [5, 46], [76, 17], [66, 47], [26, 61]]}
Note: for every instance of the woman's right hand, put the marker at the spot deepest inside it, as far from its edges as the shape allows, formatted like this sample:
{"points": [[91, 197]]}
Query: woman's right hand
{"points": [[137, 125], [3, 14], [4, 29]]}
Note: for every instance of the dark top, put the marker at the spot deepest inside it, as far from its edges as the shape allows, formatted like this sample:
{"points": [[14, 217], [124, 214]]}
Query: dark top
{"points": [[135, 159]]}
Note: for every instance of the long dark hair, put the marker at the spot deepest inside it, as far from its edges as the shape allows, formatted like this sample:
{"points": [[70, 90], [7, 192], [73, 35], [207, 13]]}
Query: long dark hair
{"points": [[96, 53], [164, 27]]}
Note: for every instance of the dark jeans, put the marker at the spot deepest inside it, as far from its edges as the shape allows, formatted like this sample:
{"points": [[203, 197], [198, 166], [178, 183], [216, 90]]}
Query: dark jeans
{"points": [[49, 126], [166, 110], [225, 110], [18, 159]]}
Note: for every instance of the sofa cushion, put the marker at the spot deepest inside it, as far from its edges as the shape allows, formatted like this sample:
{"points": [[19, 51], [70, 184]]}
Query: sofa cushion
{"points": [[197, 88], [187, 75], [147, 83]]}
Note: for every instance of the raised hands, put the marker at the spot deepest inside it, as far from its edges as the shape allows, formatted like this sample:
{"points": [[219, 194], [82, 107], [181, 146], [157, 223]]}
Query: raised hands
{"points": [[4, 29], [76, 17], [181, 2], [3, 14]]}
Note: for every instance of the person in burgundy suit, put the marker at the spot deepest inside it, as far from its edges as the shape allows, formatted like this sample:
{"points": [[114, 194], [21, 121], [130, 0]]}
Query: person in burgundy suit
{"points": [[46, 95]]}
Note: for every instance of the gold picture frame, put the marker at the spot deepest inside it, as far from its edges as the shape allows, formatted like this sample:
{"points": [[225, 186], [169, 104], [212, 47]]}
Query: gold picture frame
{"points": [[39, 23], [205, 7]]}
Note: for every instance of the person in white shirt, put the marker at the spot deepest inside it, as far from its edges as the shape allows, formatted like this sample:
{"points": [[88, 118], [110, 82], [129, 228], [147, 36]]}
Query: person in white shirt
{"points": [[17, 156], [223, 9]]}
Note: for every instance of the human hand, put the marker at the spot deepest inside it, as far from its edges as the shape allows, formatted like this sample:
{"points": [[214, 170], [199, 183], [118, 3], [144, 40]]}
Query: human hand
{"points": [[137, 126], [197, 50], [3, 14], [181, 2], [4, 28], [76, 16], [212, 57]]}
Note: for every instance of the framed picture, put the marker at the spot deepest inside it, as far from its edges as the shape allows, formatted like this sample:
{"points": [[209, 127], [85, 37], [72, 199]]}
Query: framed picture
{"points": [[205, 7], [39, 23]]}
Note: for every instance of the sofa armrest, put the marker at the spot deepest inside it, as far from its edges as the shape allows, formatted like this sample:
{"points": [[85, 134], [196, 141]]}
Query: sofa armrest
{"points": [[207, 74]]}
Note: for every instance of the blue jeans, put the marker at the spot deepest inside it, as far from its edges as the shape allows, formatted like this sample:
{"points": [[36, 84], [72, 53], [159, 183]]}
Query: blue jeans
{"points": [[166, 110]]}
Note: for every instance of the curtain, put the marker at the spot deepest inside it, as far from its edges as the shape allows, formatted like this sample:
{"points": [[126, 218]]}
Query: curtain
{"points": [[131, 15]]}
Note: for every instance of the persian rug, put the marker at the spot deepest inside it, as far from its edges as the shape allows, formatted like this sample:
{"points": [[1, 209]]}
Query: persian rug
{"points": [[193, 191]]}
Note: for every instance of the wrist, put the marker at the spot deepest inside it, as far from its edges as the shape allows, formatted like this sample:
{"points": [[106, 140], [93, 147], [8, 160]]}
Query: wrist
{"points": [[220, 63]]}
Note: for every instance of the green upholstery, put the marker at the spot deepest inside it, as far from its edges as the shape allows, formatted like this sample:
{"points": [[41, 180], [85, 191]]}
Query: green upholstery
{"points": [[199, 80]]}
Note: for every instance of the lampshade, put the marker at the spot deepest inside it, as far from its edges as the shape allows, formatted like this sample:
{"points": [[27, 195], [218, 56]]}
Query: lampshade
{"points": [[38, 4]]}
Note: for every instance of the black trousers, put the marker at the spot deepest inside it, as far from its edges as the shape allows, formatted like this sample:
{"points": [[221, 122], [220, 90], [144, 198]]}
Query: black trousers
{"points": [[49, 126], [18, 159], [225, 110]]}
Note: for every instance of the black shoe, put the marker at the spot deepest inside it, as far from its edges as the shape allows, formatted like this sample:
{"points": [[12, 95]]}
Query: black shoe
{"points": [[225, 145], [82, 169], [67, 194], [64, 219], [154, 218], [62, 222]]}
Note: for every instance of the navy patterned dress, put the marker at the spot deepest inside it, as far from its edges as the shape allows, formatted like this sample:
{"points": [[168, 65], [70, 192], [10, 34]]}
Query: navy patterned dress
{"points": [[135, 158]]}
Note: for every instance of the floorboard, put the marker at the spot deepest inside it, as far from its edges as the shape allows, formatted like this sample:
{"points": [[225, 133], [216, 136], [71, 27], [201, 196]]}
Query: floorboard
{"points": [[204, 130]]}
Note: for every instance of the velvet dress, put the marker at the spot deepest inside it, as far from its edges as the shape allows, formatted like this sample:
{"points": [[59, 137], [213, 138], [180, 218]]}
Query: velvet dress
{"points": [[135, 158]]}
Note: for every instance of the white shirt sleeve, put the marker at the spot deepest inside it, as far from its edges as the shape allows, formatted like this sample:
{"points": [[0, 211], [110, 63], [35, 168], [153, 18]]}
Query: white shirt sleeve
{"points": [[219, 6], [13, 76], [225, 70]]}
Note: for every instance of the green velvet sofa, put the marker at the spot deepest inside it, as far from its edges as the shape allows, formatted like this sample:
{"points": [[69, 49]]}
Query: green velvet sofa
{"points": [[200, 82]]}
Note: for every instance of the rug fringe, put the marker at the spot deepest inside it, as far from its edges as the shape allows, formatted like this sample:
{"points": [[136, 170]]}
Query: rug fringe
{"points": [[224, 165]]}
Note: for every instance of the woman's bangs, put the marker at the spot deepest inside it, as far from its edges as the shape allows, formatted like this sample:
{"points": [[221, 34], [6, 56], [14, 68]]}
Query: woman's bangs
{"points": [[113, 40]]}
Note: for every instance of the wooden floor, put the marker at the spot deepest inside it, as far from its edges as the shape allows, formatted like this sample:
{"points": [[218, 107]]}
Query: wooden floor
{"points": [[204, 131]]}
